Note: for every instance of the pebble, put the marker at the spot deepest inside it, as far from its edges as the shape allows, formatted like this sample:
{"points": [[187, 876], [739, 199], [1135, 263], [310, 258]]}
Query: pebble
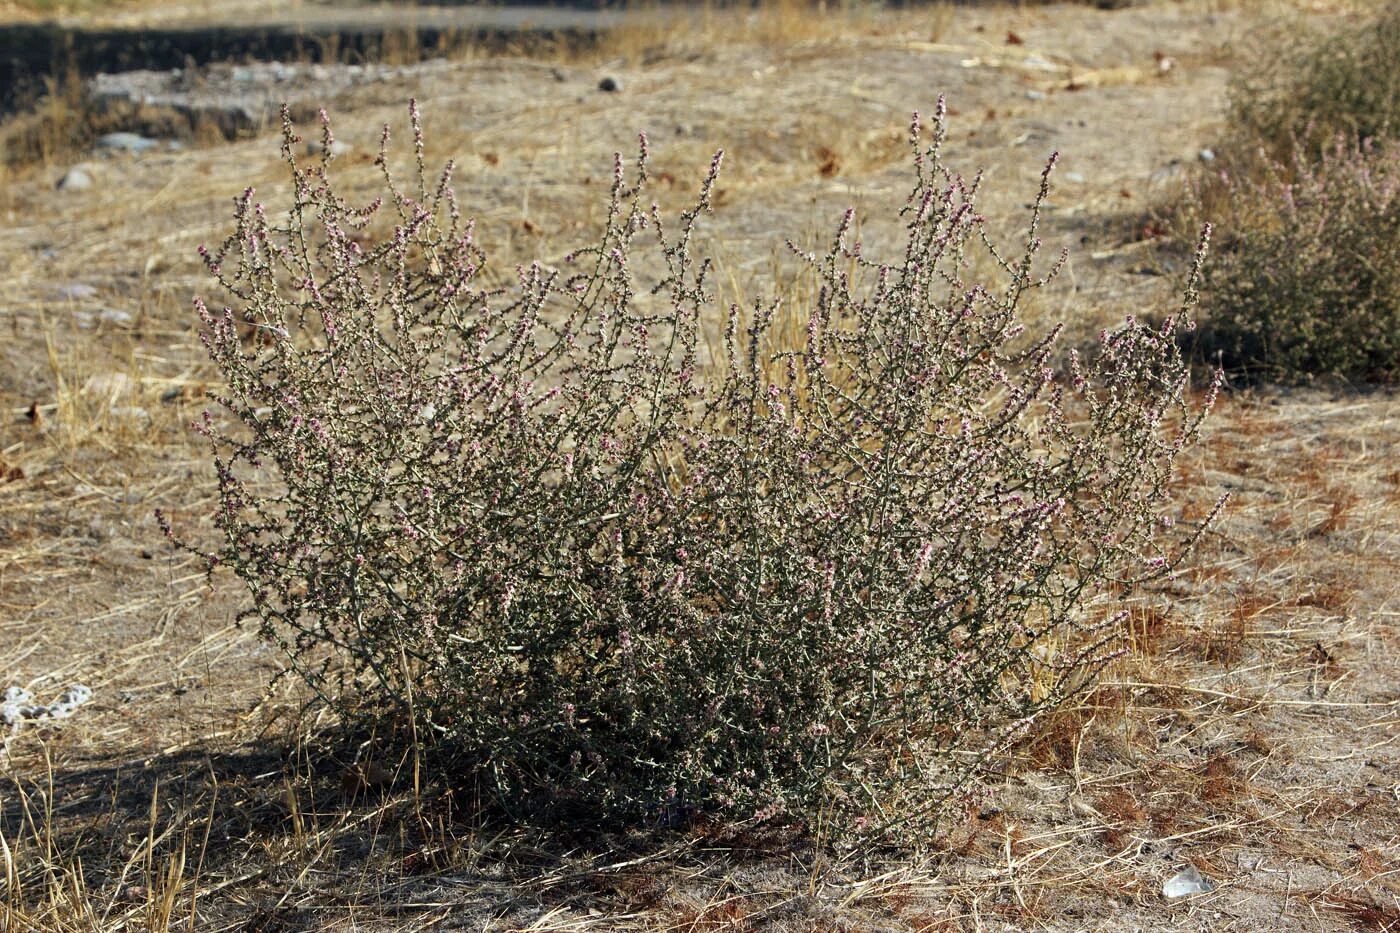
{"points": [[1035, 95], [1206, 155], [338, 148], [134, 143], [75, 291], [610, 85], [112, 385], [1186, 882], [77, 178], [106, 315]]}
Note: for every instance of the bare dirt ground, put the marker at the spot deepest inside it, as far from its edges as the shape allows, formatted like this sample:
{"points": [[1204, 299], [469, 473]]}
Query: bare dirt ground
{"points": [[1252, 732]]}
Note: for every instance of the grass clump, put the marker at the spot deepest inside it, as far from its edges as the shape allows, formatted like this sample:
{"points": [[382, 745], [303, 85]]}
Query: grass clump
{"points": [[613, 554], [1304, 285]]}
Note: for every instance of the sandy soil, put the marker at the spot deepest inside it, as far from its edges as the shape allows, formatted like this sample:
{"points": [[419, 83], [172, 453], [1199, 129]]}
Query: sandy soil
{"points": [[1253, 733]]}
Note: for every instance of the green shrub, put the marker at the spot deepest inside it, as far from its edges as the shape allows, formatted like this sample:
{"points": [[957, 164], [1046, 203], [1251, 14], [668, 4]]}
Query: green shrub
{"points": [[1308, 285], [1304, 283], [1311, 88], [603, 574]]}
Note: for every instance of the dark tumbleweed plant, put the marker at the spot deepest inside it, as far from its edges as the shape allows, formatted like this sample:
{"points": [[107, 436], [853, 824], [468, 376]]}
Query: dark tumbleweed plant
{"points": [[609, 574]]}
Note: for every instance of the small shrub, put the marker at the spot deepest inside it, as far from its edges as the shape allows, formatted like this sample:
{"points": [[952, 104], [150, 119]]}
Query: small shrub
{"points": [[1303, 191], [1310, 88], [1306, 283], [608, 575]]}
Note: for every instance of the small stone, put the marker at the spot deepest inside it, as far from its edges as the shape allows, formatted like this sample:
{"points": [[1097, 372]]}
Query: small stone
{"points": [[1187, 882], [1035, 95], [338, 148], [1206, 155], [110, 385], [609, 85], [75, 291], [76, 178], [133, 143], [1074, 178]]}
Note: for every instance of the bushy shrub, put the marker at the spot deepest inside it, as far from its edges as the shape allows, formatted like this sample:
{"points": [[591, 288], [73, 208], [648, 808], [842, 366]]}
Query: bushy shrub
{"points": [[1311, 87], [1303, 191], [1307, 282], [608, 574]]}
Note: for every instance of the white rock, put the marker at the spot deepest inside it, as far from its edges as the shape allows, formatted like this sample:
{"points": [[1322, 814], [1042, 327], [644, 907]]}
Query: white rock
{"points": [[134, 143], [72, 698], [109, 385], [75, 291], [338, 148], [1186, 882], [19, 705], [77, 178]]}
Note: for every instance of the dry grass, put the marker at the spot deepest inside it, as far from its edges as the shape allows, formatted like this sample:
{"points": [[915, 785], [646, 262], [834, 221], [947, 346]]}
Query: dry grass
{"points": [[1251, 731]]}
